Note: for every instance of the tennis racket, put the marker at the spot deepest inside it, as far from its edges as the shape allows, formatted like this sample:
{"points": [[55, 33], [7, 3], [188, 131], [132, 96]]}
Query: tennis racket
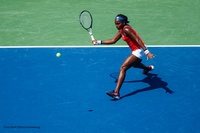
{"points": [[86, 21]]}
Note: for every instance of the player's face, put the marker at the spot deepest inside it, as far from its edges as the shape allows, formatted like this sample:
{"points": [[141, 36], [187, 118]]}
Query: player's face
{"points": [[119, 24]]}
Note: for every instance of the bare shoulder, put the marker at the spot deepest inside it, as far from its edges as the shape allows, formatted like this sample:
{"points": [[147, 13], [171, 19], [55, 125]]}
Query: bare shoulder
{"points": [[127, 30]]}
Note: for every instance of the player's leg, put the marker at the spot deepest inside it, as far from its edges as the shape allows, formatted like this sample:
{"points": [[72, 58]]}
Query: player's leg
{"points": [[124, 67], [138, 63]]}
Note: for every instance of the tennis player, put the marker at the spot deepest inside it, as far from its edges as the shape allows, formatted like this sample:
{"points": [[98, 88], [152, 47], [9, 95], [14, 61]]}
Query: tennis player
{"points": [[137, 46]]}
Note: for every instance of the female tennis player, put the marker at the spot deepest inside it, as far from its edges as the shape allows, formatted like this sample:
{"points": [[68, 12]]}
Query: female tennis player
{"points": [[136, 44]]}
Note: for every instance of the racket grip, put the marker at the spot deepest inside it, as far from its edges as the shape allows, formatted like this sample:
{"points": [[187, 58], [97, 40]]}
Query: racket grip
{"points": [[92, 37]]}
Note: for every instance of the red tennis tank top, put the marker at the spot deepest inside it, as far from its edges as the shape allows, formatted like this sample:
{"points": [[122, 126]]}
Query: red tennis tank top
{"points": [[131, 42]]}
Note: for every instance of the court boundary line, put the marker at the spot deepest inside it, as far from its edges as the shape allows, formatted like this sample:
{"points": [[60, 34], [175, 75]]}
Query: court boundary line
{"points": [[96, 46]]}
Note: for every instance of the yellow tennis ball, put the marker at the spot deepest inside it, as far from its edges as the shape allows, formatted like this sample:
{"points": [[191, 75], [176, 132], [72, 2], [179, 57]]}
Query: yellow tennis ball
{"points": [[58, 55]]}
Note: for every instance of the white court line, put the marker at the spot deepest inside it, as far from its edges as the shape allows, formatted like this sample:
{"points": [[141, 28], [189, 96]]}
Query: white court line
{"points": [[97, 46]]}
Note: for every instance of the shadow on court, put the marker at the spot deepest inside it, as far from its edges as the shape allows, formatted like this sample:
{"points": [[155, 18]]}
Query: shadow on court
{"points": [[153, 80]]}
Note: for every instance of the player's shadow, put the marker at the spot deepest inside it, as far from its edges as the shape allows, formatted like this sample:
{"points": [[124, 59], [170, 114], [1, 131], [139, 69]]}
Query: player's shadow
{"points": [[153, 80]]}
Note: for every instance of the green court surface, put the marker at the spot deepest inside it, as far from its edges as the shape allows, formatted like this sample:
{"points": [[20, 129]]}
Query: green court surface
{"points": [[56, 22]]}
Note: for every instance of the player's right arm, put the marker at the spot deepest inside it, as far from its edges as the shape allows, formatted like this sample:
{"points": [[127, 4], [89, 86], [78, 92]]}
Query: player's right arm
{"points": [[109, 41]]}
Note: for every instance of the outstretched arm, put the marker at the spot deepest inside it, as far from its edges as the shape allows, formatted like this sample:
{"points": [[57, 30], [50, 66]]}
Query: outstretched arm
{"points": [[109, 41]]}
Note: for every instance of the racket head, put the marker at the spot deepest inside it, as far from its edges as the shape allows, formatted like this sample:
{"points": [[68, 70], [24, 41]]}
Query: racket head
{"points": [[86, 20]]}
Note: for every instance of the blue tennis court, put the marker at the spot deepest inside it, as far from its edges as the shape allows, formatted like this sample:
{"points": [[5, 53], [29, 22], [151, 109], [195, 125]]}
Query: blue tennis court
{"points": [[42, 93]]}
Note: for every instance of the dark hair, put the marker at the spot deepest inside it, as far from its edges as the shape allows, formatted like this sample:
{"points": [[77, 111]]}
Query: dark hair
{"points": [[122, 18]]}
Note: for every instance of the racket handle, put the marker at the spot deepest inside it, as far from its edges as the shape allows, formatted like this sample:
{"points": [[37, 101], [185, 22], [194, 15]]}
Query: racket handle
{"points": [[91, 35]]}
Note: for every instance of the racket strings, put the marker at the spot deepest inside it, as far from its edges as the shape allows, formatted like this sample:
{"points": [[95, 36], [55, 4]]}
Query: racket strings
{"points": [[86, 20]]}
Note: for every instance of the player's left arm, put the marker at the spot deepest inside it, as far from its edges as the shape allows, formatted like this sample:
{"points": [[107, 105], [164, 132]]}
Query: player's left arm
{"points": [[129, 33]]}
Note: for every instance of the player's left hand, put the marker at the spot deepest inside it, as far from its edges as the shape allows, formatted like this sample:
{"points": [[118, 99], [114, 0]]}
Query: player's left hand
{"points": [[150, 56]]}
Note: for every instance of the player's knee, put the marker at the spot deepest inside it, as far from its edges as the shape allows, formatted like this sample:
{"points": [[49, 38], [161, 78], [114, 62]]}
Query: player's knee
{"points": [[123, 68]]}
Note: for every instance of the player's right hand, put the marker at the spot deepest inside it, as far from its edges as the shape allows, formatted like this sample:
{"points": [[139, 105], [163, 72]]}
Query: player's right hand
{"points": [[94, 42]]}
